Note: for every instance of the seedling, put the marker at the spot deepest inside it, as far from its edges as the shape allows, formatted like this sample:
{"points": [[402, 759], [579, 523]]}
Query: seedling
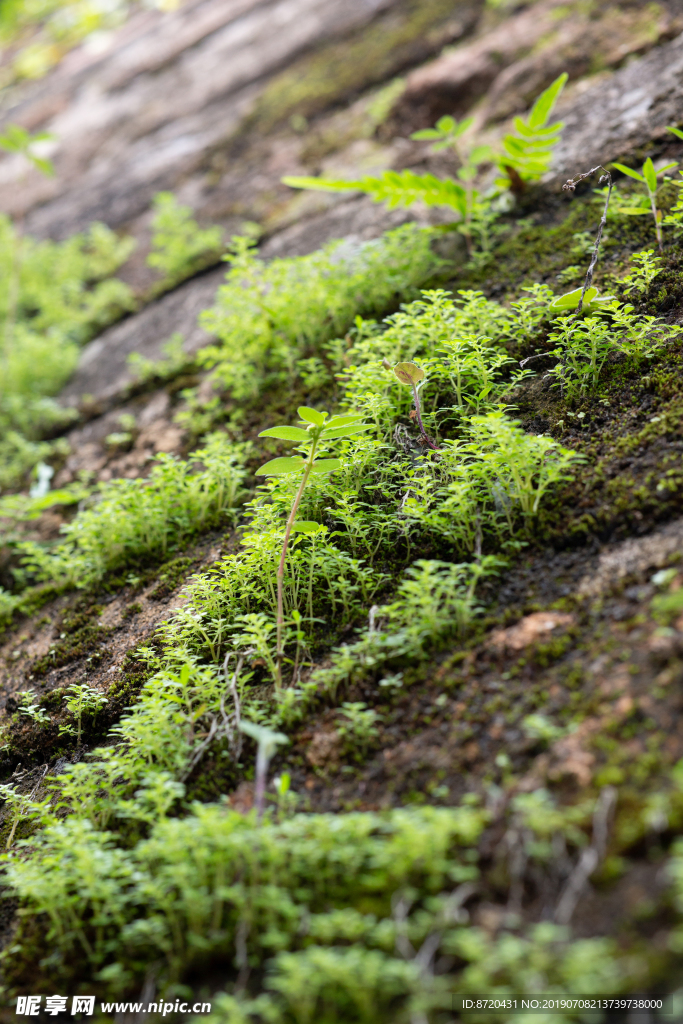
{"points": [[29, 709], [318, 434], [268, 741], [648, 177], [645, 268], [358, 729], [414, 377], [570, 186], [82, 699]]}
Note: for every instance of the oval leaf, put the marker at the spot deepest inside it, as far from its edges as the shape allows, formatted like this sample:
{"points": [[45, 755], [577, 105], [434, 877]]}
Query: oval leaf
{"points": [[650, 175], [306, 526], [312, 415], [409, 373], [629, 170], [287, 433], [570, 300], [340, 421], [326, 465], [352, 428], [293, 464]]}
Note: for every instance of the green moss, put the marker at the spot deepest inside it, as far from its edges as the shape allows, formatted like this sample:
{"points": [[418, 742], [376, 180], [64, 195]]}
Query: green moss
{"points": [[80, 634], [410, 32]]}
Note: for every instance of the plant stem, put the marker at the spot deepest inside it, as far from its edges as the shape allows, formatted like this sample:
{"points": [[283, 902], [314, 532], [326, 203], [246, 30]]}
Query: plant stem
{"points": [[281, 566], [569, 186], [416, 399], [658, 226]]}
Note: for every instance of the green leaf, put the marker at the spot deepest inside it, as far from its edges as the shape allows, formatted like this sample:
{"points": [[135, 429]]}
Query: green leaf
{"points": [[628, 170], [321, 184], [305, 526], [293, 464], [338, 421], [570, 300], [667, 167], [540, 112], [650, 175], [287, 433], [409, 373], [396, 189], [45, 166], [426, 134], [634, 211], [326, 465], [675, 131], [312, 415], [348, 431]]}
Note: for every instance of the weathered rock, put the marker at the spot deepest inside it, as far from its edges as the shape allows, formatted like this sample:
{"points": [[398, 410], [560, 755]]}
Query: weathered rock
{"points": [[103, 371], [620, 113]]}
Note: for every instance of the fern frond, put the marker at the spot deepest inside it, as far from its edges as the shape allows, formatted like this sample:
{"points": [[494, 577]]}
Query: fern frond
{"points": [[396, 188]]}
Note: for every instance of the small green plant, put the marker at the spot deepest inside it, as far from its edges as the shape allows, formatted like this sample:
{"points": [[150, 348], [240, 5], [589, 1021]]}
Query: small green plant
{"points": [[180, 247], [414, 377], [268, 741], [644, 268], [648, 177], [30, 709], [270, 316], [319, 433], [358, 728], [81, 699]]}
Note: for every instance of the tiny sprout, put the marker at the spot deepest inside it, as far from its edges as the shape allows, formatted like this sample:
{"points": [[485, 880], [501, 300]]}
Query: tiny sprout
{"points": [[268, 741], [413, 376]]}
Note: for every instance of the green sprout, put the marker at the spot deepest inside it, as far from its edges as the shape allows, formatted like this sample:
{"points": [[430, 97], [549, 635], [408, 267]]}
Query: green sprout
{"points": [[268, 741], [319, 433], [29, 709], [647, 177], [414, 377], [82, 699]]}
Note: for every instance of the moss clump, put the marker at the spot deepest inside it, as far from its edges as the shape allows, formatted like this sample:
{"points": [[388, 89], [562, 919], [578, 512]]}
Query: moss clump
{"points": [[80, 634]]}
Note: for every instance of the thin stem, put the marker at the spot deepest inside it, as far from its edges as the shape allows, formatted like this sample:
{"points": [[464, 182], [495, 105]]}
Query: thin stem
{"points": [[416, 399], [283, 556], [658, 226], [569, 186]]}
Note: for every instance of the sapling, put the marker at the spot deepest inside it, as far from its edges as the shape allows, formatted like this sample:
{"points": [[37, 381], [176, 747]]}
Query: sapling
{"points": [[268, 741], [414, 376], [648, 177], [318, 434]]}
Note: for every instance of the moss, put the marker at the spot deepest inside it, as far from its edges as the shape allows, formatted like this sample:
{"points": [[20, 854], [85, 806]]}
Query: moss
{"points": [[80, 634], [411, 32]]}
